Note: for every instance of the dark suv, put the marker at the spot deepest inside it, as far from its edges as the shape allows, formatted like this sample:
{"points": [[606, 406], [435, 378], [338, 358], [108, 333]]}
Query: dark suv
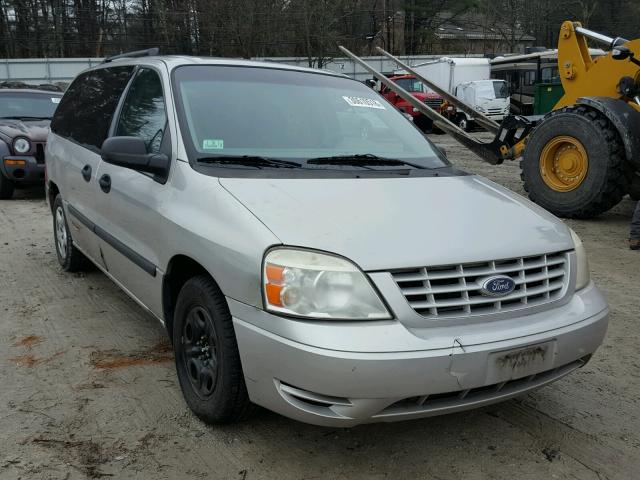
{"points": [[25, 115]]}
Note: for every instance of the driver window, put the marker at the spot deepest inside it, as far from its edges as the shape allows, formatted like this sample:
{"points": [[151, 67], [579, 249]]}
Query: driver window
{"points": [[143, 112]]}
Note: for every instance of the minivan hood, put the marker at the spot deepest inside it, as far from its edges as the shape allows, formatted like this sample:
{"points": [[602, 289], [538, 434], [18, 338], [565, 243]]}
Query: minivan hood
{"points": [[387, 223]]}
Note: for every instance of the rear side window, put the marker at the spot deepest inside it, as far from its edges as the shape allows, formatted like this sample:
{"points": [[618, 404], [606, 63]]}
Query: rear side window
{"points": [[143, 112], [86, 110]]}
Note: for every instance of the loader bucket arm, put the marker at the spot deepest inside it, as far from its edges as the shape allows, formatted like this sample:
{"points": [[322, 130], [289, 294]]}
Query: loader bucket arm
{"points": [[480, 118], [509, 139], [585, 76]]}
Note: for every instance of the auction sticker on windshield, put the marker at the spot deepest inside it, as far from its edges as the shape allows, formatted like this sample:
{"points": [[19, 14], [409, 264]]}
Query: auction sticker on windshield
{"points": [[364, 102], [212, 144]]}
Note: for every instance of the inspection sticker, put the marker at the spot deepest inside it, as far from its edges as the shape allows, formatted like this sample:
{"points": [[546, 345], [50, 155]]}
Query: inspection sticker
{"points": [[55, 99], [212, 144], [364, 102]]}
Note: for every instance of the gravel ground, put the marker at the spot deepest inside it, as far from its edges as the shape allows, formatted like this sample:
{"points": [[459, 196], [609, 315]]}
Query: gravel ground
{"points": [[88, 387]]}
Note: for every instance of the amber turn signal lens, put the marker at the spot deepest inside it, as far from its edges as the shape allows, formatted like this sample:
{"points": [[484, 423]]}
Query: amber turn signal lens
{"points": [[273, 287], [273, 294], [14, 162], [274, 274]]}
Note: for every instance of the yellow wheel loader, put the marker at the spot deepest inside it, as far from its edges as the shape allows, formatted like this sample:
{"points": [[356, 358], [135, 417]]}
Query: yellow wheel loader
{"points": [[579, 160]]}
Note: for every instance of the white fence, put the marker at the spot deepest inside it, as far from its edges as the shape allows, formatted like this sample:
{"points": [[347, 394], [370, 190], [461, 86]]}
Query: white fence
{"points": [[50, 70], [44, 70]]}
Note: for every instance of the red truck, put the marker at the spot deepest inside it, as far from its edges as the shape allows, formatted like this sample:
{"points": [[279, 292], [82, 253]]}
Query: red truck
{"points": [[418, 90]]}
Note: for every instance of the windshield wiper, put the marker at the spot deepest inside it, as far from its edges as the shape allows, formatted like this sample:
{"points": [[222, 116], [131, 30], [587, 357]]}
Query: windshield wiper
{"points": [[25, 117], [249, 161], [362, 159]]}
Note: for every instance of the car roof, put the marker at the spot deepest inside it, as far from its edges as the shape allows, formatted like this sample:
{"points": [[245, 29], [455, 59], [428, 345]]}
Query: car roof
{"points": [[30, 90], [174, 61]]}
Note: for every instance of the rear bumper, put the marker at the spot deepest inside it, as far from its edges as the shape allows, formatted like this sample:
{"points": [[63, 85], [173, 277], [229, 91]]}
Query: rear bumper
{"points": [[29, 172], [340, 388]]}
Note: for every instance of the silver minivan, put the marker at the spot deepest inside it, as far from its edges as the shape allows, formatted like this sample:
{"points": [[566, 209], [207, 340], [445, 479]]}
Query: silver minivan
{"points": [[307, 249]]}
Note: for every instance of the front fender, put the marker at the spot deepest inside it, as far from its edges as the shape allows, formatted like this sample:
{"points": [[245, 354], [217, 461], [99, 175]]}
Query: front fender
{"points": [[4, 151], [625, 118]]}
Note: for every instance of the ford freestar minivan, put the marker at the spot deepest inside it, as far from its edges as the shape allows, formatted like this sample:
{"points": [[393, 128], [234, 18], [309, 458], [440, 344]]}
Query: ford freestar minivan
{"points": [[307, 249]]}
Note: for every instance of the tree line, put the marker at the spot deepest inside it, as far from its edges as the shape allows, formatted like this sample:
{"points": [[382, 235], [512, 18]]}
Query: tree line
{"points": [[310, 29]]}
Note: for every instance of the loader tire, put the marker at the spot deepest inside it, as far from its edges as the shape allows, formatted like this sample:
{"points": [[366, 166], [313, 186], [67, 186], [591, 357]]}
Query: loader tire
{"points": [[574, 163]]}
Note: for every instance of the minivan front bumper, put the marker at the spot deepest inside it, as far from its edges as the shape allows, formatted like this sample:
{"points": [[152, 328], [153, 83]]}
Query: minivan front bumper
{"points": [[329, 387]]}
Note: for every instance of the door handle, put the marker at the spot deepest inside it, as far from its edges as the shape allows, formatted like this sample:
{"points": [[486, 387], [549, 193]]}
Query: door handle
{"points": [[86, 173], [105, 183]]}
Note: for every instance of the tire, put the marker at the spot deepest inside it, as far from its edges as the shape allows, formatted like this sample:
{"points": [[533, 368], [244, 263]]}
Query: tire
{"points": [[206, 354], [69, 257], [598, 186], [424, 123], [464, 124], [6, 187]]}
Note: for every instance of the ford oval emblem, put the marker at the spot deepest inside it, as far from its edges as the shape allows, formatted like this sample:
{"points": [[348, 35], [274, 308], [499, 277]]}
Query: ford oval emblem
{"points": [[498, 286]]}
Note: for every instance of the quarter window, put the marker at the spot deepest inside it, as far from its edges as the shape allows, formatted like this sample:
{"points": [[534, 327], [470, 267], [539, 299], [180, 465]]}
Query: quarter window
{"points": [[87, 108], [143, 112]]}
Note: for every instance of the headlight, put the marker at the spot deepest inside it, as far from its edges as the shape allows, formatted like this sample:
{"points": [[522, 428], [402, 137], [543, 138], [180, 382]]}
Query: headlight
{"points": [[311, 284], [582, 275], [21, 145]]}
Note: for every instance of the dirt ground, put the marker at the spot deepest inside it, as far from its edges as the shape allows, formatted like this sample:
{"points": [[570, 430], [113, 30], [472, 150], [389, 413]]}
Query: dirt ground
{"points": [[88, 388]]}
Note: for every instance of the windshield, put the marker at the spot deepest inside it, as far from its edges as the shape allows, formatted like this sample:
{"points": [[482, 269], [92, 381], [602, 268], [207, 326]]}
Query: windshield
{"points": [[410, 84], [248, 112], [26, 104], [491, 90]]}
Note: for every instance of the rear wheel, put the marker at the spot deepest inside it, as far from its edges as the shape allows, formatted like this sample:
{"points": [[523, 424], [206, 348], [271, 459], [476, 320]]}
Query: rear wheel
{"points": [[424, 123], [574, 164], [69, 257], [6, 187], [464, 124]]}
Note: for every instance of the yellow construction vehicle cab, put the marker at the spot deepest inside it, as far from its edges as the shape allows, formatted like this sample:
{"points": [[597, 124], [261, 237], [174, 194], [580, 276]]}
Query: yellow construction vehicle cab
{"points": [[579, 160]]}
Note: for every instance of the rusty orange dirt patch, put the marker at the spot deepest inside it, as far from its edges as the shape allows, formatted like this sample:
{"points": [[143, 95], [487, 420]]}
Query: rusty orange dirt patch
{"points": [[29, 341], [29, 360], [113, 359]]}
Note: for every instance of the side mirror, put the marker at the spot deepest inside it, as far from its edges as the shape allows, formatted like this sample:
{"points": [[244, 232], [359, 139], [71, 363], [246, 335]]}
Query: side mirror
{"points": [[131, 152], [621, 53]]}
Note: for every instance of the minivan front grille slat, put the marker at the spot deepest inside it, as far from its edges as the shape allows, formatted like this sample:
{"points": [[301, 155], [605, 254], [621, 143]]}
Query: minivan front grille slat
{"points": [[455, 290]]}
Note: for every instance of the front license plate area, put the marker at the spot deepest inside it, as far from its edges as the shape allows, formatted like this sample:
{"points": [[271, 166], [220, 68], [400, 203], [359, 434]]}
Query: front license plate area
{"points": [[521, 362]]}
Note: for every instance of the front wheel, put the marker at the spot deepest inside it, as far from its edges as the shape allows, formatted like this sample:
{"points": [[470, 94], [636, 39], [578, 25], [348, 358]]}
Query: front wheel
{"points": [[206, 354], [574, 163], [6, 187]]}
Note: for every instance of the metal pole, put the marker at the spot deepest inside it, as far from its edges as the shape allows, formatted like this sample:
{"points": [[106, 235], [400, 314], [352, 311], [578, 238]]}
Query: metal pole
{"points": [[482, 150], [483, 120], [599, 37]]}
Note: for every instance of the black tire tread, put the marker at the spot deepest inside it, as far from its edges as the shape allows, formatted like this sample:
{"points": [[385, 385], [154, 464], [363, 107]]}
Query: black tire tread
{"points": [[617, 184], [75, 261], [6, 188], [237, 404]]}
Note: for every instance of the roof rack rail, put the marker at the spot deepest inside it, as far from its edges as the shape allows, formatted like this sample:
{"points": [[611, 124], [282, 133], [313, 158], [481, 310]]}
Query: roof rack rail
{"points": [[149, 52]]}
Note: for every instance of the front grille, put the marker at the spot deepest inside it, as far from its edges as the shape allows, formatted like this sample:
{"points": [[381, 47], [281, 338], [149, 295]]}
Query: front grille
{"points": [[434, 103], [40, 152], [455, 290], [495, 111]]}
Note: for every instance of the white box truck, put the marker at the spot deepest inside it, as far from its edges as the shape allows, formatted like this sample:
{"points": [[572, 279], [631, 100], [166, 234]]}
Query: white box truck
{"points": [[469, 79]]}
